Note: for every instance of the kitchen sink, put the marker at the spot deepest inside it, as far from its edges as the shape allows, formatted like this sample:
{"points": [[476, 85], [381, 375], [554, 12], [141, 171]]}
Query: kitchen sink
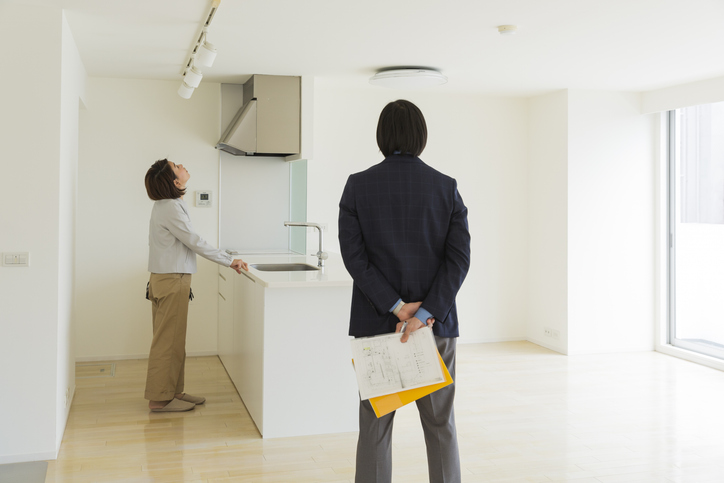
{"points": [[283, 267]]}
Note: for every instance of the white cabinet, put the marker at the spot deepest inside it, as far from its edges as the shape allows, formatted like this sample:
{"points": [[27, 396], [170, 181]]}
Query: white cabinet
{"points": [[226, 315], [287, 350], [309, 385], [248, 345]]}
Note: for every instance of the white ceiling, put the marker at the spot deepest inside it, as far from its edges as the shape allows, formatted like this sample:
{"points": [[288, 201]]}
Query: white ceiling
{"points": [[634, 45]]}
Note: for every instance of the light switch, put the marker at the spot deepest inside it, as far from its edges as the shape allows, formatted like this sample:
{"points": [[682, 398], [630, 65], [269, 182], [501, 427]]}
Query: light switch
{"points": [[17, 259]]}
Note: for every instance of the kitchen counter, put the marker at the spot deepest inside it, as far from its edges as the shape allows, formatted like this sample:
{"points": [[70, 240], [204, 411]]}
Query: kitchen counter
{"points": [[333, 274], [283, 340]]}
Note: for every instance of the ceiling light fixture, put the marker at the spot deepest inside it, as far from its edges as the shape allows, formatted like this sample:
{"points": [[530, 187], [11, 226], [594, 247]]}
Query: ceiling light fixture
{"points": [[206, 54], [185, 90], [507, 29], [193, 77], [408, 78], [203, 54]]}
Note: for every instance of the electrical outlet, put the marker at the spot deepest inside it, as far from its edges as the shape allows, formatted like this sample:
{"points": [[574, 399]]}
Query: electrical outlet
{"points": [[548, 332], [556, 334], [18, 259], [67, 397]]}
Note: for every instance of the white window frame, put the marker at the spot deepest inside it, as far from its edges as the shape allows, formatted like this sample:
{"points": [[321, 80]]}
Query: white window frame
{"points": [[665, 250]]}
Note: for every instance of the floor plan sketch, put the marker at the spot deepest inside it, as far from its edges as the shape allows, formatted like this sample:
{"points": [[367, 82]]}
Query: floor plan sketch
{"points": [[384, 365], [378, 366]]}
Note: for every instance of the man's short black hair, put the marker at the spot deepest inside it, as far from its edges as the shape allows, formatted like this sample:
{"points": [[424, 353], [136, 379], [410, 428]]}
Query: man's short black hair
{"points": [[401, 128]]}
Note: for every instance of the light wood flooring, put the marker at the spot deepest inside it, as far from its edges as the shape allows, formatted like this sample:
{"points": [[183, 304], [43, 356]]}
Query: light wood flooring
{"points": [[524, 414]]}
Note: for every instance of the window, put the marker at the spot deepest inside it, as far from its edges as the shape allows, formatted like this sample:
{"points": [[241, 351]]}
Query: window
{"points": [[696, 228]]}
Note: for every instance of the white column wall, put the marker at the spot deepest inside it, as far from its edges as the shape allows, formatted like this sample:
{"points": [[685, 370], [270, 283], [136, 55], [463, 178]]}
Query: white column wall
{"points": [[128, 125], [38, 129], [482, 142], [548, 220], [72, 85], [611, 223]]}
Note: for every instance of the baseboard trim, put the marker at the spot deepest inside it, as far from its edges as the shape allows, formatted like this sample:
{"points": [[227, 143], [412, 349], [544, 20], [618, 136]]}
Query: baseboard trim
{"points": [[127, 357], [67, 414], [547, 345], [28, 457], [463, 340]]}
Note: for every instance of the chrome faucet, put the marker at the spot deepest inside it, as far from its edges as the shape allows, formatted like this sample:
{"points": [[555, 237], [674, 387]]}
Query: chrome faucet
{"points": [[321, 254]]}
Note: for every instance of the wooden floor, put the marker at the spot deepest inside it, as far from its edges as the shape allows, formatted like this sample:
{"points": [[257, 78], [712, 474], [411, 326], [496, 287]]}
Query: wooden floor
{"points": [[524, 414]]}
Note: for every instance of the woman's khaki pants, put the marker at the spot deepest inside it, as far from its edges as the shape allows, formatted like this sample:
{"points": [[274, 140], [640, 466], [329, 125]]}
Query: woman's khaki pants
{"points": [[169, 294]]}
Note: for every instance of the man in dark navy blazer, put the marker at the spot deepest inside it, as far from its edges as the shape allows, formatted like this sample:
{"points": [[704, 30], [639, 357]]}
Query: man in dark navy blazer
{"points": [[404, 237]]}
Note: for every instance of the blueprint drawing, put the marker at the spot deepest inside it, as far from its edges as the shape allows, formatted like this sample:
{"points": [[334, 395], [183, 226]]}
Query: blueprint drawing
{"points": [[384, 365]]}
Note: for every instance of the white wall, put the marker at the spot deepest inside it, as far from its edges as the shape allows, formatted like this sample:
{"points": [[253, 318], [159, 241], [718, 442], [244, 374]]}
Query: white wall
{"points": [[72, 85], [254, 201], [591, 222], [128, 125], [548, 220], [611, 223], [684, 95], [38, 132], [482, 142]]}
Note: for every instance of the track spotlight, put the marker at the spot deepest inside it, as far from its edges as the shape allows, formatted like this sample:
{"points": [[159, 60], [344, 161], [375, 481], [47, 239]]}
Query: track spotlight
{"points": [[185, 90], [193, 77], [203, 54], [206, 54]]}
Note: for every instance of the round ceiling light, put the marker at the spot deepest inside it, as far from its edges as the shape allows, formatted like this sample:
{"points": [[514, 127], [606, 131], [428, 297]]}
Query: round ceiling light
{"points": [[409, 78]]}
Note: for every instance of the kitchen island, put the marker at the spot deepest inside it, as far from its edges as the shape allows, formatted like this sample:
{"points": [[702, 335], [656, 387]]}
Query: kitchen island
{"points": [[283, 340]]}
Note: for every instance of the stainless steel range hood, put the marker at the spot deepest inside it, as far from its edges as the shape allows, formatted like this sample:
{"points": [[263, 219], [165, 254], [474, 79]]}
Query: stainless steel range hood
{"points": [[269, 122]]}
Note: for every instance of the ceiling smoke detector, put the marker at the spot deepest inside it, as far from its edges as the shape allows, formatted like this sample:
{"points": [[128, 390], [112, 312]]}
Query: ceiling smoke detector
{"points": [[507, 29], [408, 78]]}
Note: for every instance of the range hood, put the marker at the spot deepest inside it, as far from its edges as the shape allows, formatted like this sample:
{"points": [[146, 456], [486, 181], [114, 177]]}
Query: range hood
{"points": [[268, 124]]}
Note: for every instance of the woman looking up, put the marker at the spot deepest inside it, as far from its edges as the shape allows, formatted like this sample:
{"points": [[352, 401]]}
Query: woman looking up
{"points": [[173, 246]]}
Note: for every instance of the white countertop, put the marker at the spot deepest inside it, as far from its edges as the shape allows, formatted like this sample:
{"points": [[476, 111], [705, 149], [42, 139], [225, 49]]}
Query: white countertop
{"points": [[333, 274]]}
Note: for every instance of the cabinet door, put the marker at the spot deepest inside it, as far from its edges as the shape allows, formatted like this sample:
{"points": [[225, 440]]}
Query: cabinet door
{"points": [[244, 315], [226, 318], [248, 345]]}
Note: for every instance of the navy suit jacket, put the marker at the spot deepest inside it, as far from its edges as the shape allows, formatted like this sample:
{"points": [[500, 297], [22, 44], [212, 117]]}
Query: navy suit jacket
{"points": [[403, 233]]}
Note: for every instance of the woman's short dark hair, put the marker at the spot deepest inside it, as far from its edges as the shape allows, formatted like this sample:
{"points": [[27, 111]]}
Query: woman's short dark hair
{"points": [[160, 182], [401, 128]]}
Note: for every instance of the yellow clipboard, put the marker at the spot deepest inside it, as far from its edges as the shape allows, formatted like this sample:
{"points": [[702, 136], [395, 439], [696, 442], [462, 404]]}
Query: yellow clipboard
{"points": [[391, 402]]}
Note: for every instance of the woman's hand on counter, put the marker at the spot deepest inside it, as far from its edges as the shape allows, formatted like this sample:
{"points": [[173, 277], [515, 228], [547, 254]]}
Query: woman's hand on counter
{"points": [[239, 264]]}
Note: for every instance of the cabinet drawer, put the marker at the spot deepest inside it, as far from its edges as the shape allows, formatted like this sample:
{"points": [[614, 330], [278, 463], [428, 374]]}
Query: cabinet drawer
{"points": [[226, 283]]}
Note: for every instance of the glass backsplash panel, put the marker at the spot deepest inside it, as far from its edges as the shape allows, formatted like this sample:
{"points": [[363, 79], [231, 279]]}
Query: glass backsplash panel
{"points": [[298, 205]]}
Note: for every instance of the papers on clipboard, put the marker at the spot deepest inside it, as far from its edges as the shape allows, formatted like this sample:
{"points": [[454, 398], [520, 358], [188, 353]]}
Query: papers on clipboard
{"points": [[385, 366], [386, 404]]}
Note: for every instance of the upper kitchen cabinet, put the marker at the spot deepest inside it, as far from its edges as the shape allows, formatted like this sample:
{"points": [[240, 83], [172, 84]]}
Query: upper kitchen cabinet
{"points": [[269, 122]]}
